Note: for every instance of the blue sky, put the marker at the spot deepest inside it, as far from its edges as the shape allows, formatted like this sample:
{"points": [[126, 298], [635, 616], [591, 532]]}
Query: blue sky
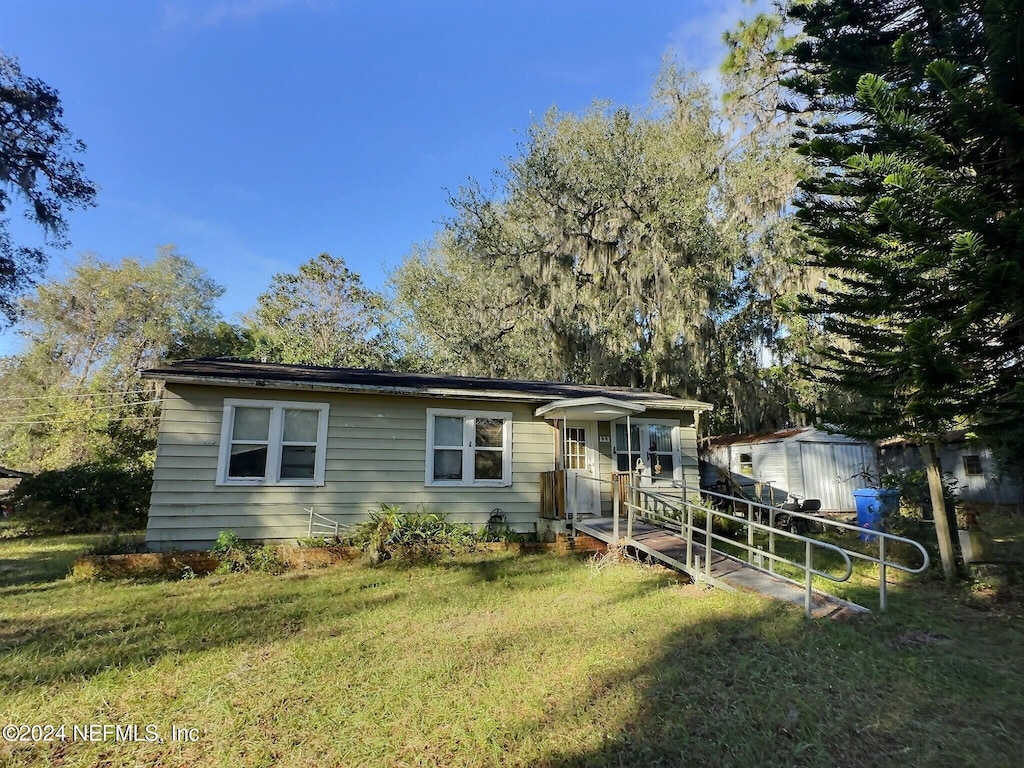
{"points": [[255, 134]]}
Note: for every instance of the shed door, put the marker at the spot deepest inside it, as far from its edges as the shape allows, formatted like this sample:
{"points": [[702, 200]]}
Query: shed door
{"points": [[850, 468], [831, 473], [771, 471], [820, 478]]}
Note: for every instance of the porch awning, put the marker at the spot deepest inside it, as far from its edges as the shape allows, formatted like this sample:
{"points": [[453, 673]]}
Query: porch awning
{"points": [[589, 409]]}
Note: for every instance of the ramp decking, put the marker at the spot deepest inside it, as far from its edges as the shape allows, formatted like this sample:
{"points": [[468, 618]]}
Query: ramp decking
{"points": [[725, 571]]}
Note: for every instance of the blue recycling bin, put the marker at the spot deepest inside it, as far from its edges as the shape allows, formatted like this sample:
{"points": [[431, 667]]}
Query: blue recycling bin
{"points": [[873, 504]]}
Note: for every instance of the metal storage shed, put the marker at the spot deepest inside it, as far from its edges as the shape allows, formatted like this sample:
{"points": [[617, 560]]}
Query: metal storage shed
{"points": [[976, 471], [806, 462]]}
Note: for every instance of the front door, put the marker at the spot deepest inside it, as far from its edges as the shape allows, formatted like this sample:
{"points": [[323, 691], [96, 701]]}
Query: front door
{"points": [[582, 495]]}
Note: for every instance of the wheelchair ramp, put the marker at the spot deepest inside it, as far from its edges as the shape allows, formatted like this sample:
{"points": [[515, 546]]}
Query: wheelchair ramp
{"points": [[723, 571]]}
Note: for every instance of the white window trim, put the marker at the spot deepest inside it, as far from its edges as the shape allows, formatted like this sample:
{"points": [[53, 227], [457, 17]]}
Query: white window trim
{"points": [[677, 450], [276, 435], [468, 448]]}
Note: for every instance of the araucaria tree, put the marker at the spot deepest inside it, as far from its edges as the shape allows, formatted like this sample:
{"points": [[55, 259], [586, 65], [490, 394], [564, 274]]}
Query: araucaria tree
{"points": [[37, 165], [918, 133]]}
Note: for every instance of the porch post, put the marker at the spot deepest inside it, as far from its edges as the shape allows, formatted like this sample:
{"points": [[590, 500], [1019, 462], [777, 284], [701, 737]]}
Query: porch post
{"points": [[559, 443], [616, 489], [629, 445]]}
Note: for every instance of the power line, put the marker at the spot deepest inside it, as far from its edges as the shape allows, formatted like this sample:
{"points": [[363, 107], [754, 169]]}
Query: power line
{"points": [[90, 409], [79, 394], [58, 421]]}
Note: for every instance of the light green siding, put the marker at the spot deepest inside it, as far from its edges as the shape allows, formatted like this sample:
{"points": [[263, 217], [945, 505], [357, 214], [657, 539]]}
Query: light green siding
{"points": [[375, 454], [376, 447]]}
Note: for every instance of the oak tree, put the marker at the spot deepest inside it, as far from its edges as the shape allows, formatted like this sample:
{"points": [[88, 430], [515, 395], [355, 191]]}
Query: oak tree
{"points": [[37, 169]]}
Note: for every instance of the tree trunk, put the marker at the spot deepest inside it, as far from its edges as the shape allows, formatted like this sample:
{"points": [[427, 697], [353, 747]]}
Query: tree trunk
{"points": [[931, 462]]}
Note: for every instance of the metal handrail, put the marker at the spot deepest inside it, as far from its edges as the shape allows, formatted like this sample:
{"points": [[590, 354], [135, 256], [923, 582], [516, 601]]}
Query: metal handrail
{"points": [[660, 495], [883, 537], [330, 526], [615, 503], [688, 529]]}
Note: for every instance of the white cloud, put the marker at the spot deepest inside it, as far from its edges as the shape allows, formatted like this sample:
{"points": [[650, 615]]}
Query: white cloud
{"points": [[181, 15], [697, 42]]}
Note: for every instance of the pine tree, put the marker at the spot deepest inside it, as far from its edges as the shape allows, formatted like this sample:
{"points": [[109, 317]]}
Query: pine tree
{"points": [[918, 135]]}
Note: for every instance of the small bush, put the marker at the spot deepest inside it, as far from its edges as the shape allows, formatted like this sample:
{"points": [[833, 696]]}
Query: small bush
{"points": [[226, 542], [266, 560], [237, 556], [417, 536], [501, 532], [84, 498]]}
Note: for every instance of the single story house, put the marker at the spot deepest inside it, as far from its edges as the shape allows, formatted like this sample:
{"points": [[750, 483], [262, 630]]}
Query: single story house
{"points": [[803, 461], [9, 478], [969, 463], [253, 447]]}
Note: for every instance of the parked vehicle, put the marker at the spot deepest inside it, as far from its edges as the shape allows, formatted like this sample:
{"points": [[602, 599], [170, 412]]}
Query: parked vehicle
{"points": [[800, 525]]}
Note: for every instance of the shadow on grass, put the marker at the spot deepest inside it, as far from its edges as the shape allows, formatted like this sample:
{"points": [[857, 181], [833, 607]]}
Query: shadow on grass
{"points": [[142, 633], [771, 689], [730, 682], [513, 569], [38, 560]]}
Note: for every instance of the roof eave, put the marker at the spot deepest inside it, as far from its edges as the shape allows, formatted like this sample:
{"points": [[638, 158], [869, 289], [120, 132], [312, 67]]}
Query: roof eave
{"points": [[370, 389], [615, 407], [678, 405], [256, 382]]}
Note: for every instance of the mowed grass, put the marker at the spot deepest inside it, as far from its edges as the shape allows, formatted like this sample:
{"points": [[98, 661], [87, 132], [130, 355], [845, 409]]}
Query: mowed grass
{"points": [[499, 661]]}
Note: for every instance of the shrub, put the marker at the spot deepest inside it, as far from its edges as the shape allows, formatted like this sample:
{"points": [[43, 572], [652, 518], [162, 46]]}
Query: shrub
{"points": [[418, 536], [501, 532], [237, 556], [83, 498], [266, 560]]}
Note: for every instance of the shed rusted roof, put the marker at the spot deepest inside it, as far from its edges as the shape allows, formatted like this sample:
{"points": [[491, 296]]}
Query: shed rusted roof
{"points": [[760, 437]]}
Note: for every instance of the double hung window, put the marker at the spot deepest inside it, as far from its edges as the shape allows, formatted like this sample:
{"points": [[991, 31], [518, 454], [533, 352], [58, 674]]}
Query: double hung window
{"points": [[270, 442], [468, 447]]}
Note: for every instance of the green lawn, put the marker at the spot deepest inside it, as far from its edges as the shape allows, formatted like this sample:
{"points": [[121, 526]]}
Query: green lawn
{"points": [[498, 660]]}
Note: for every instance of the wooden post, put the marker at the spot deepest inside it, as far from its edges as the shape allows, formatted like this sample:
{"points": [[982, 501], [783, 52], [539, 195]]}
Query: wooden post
{"points": [[942, 532], [616, 489]]}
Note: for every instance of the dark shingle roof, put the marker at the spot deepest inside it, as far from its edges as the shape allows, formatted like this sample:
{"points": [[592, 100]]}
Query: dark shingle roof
{"points": [[227, 371]]}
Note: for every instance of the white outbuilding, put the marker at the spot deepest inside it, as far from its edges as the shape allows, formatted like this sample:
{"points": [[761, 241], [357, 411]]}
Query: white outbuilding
{"points": [[804, 462]]}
